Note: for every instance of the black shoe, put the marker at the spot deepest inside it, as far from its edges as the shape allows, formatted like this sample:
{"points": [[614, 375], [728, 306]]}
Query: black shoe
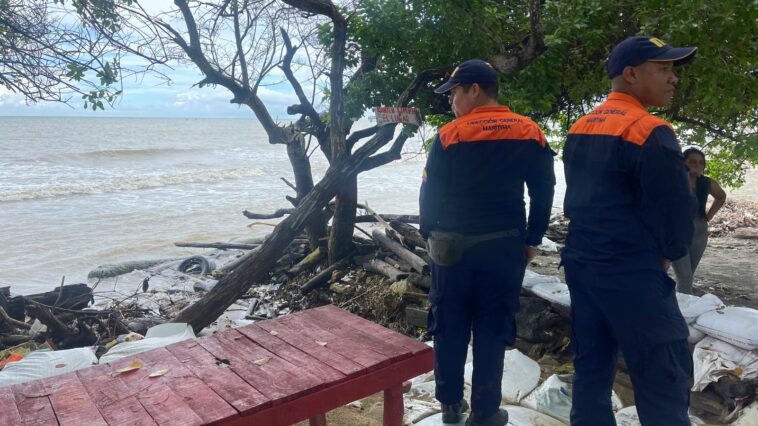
{"points": [[452, 413], [500, 418]]}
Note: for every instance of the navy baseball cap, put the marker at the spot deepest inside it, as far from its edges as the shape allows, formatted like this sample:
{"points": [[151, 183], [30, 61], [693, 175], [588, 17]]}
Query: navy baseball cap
{"points": [[639, 49], [469, 72]]}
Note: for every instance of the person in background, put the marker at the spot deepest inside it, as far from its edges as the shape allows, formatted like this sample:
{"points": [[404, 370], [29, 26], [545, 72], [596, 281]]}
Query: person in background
{"points": [[630, 213], [702, 186], [473, 214]]}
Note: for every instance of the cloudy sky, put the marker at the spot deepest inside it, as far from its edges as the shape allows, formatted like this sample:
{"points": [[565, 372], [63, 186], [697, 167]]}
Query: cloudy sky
{"points": [[149, 96]]}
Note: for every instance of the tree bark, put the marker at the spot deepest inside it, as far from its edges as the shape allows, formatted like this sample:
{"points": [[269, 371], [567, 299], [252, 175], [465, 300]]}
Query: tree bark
{"points": [[343, 221], [315, 229]]}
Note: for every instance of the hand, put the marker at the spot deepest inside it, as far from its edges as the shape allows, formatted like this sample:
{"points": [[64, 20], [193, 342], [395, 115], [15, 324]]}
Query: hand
{"points": [[666, 264], [531, 253]]}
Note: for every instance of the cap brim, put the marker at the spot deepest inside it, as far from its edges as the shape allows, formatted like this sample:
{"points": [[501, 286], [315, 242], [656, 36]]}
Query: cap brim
{"points": [[678, 55], [445, 87]]}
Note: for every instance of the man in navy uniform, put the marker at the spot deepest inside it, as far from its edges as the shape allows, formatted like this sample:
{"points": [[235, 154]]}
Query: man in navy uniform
{"points": [[472, 211], [630, 211]]}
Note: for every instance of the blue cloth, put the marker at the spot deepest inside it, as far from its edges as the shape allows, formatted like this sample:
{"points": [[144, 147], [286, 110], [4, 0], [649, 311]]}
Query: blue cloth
{"points": [[636, 313], [478, 295]]}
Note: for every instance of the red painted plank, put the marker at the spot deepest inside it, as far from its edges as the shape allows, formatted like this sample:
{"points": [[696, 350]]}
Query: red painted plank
{"points": [[291, 354], [209, 406], [308, 345], [33, 403], [272, 376], [115, 400], [9, 415], [225, 382], [331, 397], [71, 403], [377, 330], [162, 403], [343, 346], [354, 330]]}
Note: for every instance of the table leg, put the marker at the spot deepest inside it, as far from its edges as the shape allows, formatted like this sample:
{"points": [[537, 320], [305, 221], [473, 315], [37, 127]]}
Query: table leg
{"points": [[319, 420], [393, 405]]}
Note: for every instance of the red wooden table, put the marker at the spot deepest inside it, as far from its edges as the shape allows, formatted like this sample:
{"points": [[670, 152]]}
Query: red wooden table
{"points": [[275, 372]]}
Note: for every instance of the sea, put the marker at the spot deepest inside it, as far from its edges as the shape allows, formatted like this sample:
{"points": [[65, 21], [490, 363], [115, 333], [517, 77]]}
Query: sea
{"points": [[78, 192]]}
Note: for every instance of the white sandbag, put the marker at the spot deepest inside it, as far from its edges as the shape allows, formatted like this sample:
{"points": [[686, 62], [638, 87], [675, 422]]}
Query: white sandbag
{"points": [[735, 325], [156, 337], [522, 416], [549, 245], [748, 416], [46, 363], [416, 410], [532, 278], [695, 335], [520, 375], [436, 420], [553, 397], [693, 306], [713, 358], [553, 292], [628, 417]]}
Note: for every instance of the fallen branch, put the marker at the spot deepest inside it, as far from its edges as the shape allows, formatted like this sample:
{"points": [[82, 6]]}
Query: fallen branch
{"points": [[308, 262], [277, 214], [13, 322], [406, 218], [222, 246], [410, 234], [323, 277]]}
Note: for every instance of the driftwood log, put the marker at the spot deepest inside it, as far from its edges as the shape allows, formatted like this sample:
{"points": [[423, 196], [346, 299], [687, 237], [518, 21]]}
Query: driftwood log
{"points": [[403, 253], [410, 233], [381, 267], [221, 246], [406, 218], [307, 262]]}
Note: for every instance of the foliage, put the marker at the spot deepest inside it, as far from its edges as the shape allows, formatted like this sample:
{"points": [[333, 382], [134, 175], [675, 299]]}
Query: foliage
{"points": [[46, 57], [715, 106]]}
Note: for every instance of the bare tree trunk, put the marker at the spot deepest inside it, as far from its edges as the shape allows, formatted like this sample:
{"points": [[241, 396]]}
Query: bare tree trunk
{"points": [[343, 222], [301, 167]]}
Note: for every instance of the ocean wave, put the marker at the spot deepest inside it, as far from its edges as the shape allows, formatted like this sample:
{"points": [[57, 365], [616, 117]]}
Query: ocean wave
{"points": [[129, 184], [132, 154]]}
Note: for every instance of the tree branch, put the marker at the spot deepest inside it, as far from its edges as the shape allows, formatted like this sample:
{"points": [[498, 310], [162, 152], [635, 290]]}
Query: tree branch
{"points": [[532, 46]]}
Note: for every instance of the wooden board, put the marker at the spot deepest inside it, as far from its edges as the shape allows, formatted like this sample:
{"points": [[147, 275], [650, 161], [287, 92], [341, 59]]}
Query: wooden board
{"points": [[9, 415], [33, 403], [71, 403], [374, 328], [291, 354], [218, 376], [116, 401], [160, 401], [272, 376], [209, 406], [308, 345]]}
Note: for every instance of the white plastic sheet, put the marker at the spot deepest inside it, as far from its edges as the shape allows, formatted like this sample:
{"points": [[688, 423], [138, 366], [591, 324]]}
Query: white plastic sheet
{"points": [[735, 325], [156, 337], [628, 417], [695, 335], [532, 278], [436, 420], [555, 292], [520, 375], [522, 416], [553, 397], [46, 363], [693, 306], [713, 358]]}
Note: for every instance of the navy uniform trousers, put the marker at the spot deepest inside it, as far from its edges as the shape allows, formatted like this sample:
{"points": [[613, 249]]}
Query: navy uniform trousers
{"points": [[479, 295], [636, 313]]}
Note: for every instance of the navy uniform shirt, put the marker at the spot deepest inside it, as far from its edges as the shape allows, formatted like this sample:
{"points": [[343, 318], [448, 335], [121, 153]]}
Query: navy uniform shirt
{"points": [[474, 177], [627, 192]]}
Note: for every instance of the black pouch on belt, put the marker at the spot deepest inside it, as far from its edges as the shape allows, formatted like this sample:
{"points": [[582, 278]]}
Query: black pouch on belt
{"points": [[447, 248]]}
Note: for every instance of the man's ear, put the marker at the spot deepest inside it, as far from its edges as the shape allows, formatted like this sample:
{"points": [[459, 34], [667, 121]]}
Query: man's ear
{"points": [[630, 74]]}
